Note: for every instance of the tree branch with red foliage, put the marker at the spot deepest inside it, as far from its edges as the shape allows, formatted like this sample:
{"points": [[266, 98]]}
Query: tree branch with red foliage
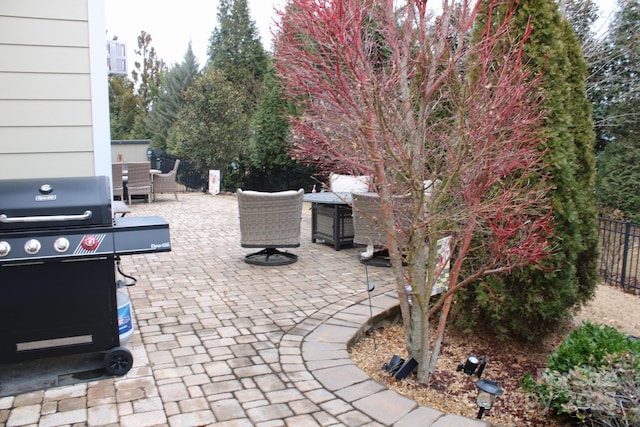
{"points": [[416, 98]]}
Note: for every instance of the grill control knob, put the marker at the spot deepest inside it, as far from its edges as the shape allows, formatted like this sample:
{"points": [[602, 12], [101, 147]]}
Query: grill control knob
{"points": [[61, 244], [46, 189], [89, 243], [32, 246], [5, 248]]}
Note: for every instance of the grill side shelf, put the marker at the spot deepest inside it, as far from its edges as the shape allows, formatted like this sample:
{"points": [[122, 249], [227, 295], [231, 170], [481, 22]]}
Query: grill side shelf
{"points": [[137, 235]]}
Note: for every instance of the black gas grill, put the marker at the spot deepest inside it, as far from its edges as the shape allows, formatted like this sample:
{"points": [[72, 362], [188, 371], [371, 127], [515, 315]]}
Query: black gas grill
{"points": [[59, 244]]}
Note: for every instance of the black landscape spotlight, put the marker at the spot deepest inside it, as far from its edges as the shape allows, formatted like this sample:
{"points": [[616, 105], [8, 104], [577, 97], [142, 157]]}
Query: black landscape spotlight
{"points": [[487, 392], [473, 365], [469, 366]]}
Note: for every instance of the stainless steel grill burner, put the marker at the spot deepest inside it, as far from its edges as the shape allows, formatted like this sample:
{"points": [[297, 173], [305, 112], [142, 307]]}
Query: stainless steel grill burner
{"points": [[59, 245]]}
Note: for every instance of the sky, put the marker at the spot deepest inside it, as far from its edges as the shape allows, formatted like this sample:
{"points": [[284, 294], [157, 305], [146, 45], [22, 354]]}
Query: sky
{"points": [[172, 24]]}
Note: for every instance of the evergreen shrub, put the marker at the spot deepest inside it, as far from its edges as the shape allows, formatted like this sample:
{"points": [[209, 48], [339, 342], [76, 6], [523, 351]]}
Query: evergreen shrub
{"points": [[594, 376]]}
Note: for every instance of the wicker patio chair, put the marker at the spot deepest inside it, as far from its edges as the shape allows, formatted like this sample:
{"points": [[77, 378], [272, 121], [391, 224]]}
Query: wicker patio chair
{"points": [[166, 182], [139, 180], [116, 180], [270, 221], [368, 229]]}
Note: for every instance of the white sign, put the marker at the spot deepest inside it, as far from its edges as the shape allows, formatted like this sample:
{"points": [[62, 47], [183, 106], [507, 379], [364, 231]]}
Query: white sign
{"points": [[442, 265], [214, 182]]}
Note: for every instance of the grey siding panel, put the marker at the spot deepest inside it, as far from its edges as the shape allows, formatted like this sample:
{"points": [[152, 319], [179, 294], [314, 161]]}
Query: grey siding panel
{"points": [[45, 59], [42, 165], [44, 139], [43, 32], [45, 86], [45, 113], [58, 9]]}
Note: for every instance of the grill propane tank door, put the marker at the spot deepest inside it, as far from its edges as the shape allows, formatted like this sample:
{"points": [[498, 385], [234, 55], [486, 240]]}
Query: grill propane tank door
{"points": [[57, 308]]}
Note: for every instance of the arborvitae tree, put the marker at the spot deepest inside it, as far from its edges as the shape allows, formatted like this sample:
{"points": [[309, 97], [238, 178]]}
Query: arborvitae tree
{"points": [[236, 50], [530, 303], [169, 99]]}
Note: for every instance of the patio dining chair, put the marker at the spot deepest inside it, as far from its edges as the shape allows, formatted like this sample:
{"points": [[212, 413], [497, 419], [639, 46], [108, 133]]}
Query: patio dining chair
{"points": [[270, 221], [368, 229], [166, 182], [116, 181], [139, 180]]}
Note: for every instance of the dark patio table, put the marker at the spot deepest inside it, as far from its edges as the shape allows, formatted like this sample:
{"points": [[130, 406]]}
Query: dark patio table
{"points": [[331, 218]]}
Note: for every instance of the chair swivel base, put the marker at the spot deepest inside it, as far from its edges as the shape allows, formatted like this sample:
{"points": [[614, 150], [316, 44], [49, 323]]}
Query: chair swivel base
{"points": [[270, 256], [379, 258]]}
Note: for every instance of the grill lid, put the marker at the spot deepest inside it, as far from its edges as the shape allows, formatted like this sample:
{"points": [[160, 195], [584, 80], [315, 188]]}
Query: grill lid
{"points": [[41, 203]]}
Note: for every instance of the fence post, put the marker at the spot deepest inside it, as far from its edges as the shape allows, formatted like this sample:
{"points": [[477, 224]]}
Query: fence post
{"points": [[625, 254]]}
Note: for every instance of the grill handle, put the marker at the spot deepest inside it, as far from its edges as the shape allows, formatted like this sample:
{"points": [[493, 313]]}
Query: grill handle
{"points": [[23, 219]]}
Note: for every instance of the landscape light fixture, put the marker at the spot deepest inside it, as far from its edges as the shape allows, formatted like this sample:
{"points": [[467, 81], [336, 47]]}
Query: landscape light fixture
{"points": [[469, 366], [394, 364], [370, 287], [473, 365], [482, 365], [487, 392]]}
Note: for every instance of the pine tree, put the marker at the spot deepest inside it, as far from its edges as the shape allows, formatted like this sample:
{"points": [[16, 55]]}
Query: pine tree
{"points": [[621, 89], [270, 127], [169, 98], [581, 14], [269, 145], [236, 50], [617, 107], [618, 186]]}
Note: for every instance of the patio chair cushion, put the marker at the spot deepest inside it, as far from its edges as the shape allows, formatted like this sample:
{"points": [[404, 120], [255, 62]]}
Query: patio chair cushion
{"points": [[349, 183]]}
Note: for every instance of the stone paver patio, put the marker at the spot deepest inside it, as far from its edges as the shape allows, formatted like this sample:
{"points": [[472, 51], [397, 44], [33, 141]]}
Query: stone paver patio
{"points": [[223, 343]]}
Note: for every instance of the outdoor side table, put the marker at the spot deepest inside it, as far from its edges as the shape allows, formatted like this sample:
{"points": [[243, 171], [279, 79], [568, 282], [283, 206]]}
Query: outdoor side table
{"points": [[331, 218]]}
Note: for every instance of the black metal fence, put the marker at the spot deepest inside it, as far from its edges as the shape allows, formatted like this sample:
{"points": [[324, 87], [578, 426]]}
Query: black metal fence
{"points": [[193, 179], [188, 175], [620, 253]]}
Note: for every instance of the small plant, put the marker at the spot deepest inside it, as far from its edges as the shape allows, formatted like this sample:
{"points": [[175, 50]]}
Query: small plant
{"points": [[593, 376]]}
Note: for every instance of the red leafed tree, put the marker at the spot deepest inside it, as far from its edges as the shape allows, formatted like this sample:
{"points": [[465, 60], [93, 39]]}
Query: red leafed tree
{"points": [[439, 108]]}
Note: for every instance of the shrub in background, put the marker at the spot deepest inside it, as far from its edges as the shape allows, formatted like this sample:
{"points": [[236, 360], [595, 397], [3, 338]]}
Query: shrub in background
{"points": [[593, 376]]}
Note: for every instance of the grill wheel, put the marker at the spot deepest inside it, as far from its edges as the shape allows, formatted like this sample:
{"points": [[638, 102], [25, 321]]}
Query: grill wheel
{"points": [[118, 361]]}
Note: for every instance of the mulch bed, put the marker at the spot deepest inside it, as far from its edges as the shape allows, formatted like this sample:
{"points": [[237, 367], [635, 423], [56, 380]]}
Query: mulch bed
{"points": [[454, 392]]}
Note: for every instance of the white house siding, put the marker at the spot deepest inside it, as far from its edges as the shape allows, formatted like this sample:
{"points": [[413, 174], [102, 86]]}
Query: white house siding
{"points": [[54, 117]]}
